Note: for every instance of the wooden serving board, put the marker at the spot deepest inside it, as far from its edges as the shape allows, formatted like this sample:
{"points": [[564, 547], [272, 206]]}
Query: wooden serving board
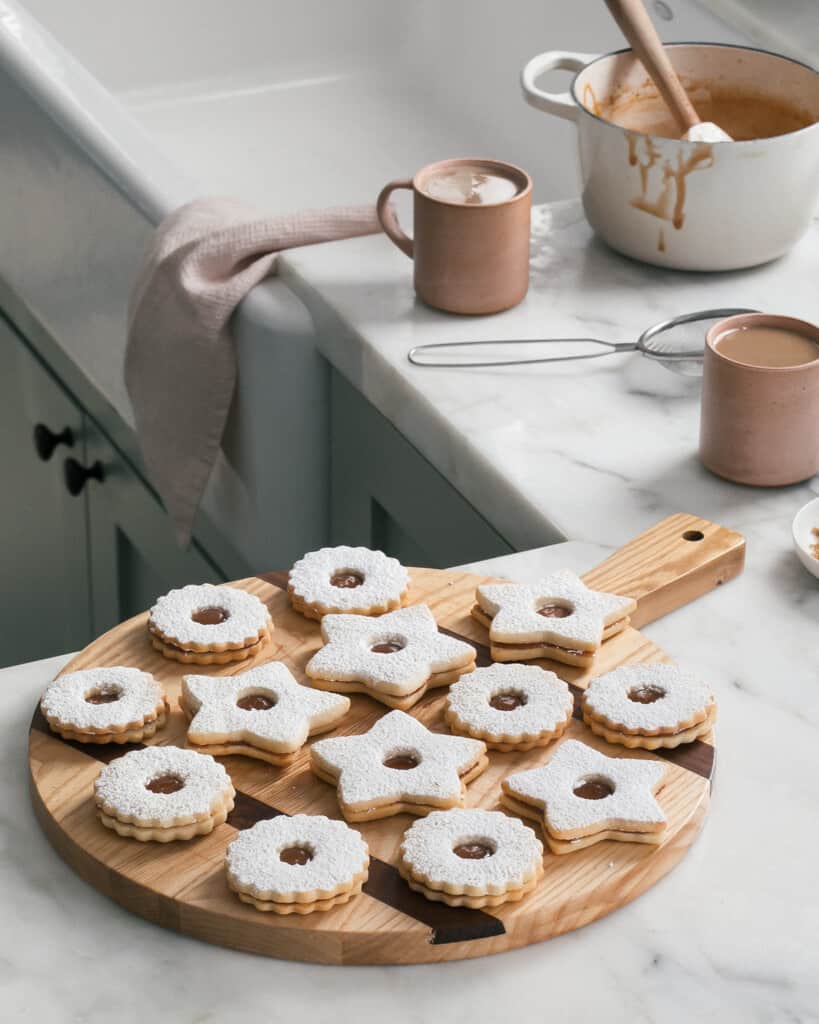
{"points": [[182, 885]]}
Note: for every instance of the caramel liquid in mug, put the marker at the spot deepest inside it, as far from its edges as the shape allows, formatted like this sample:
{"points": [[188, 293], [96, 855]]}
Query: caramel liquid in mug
{"points": [[772, 347], [743, 115], [470, 185]]}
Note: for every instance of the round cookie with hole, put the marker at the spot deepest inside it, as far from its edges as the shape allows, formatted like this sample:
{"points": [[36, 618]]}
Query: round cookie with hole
{"points": [[347, 580]]}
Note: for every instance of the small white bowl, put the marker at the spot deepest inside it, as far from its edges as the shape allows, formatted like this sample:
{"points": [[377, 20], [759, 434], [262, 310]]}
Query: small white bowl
{"points": [[803, 537]]}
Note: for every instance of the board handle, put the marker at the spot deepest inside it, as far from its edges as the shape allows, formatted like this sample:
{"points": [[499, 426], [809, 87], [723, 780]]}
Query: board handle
{"points": [[674, 562]]}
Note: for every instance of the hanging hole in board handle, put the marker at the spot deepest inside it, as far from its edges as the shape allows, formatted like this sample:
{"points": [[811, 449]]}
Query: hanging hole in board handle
{"points": [[693, 535]]}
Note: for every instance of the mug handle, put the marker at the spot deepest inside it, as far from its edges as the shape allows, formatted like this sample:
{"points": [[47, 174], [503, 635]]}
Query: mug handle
{"points": [[560, 103], [389, 220]]}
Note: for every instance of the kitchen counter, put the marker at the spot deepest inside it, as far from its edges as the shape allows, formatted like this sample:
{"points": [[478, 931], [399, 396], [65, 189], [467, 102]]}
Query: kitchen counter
{"points": [[729, 935]]}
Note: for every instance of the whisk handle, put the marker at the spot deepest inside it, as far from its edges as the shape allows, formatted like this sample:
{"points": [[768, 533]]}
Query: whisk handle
{"points": [[417, 355]]}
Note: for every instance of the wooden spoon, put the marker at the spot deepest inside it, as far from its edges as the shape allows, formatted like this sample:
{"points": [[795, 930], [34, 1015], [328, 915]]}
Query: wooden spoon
{"points": [[635, 24]]}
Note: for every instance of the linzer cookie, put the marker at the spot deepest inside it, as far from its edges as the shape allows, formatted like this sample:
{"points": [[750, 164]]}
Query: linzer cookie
{"points": [[160, 794], [510, 707], [398, 766], [471, 858], [581, 797], [262, 713], [297, 865], [105, 705], [394, 658], [203, 624], [649, 706], [558, 618], [356, 581]]}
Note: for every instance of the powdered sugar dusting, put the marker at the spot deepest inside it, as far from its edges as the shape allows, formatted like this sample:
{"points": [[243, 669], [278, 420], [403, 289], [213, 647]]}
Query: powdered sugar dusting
{"points": [[339, 854], [363, 779], [686, 696], [548, 701], [632, 803], [213, 700], [347, 653], [385, 579], [64, 699], [515, 619], [120, 786], [428, 845], [171, 615]]}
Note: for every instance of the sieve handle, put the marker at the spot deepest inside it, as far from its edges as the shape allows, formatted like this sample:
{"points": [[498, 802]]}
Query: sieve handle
{"points": [[417, 358]]}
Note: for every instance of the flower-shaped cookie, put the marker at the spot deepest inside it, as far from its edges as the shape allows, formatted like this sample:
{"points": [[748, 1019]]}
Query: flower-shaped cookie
{"points": [[297, 865], [510, 707], [262, 713], [394, 658], [559, 618], [357, 581], [581, 797], [205, 624], [471, 858], [399, 765], [649, 706], [116, 704], [163, 793]]}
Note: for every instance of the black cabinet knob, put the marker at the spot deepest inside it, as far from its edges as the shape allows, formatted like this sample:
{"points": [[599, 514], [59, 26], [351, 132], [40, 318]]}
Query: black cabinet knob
{"points": [[76, 474], [45, 440]]}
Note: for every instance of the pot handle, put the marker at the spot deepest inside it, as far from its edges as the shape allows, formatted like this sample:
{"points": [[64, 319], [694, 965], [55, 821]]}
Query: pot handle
{"points": [[560, 103]]}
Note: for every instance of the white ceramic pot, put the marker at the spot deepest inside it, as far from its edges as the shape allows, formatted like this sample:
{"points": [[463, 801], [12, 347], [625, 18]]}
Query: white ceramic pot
{"points": [[684, 204]]}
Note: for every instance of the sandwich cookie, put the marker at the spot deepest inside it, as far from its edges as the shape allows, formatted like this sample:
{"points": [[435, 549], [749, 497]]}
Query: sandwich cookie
{"points": [[395, 658], [558, 618], [105, 705], [161, 794], [510, 707], [398, 766], [649, 706], [581, 797], [356, 581], [297, 865], [262, 713], [471, 858]]}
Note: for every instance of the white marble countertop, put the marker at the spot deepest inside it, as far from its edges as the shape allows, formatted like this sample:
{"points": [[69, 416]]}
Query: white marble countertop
{"points": [[729, 935]]}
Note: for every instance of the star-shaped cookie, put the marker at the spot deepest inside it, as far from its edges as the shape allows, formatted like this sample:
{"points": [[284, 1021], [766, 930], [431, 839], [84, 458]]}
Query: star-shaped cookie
{"points": [[262, 713], [559, 618], [395, 658], [398, 766], [581, 796]]}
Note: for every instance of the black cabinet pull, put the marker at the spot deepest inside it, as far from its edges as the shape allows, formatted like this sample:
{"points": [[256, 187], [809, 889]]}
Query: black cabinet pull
{"points": [[76, 474], [45, 440]]}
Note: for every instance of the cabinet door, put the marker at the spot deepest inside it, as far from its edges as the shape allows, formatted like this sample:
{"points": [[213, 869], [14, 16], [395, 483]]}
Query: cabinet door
{"points": [[44, 593], [134, 557], [384, 493]]}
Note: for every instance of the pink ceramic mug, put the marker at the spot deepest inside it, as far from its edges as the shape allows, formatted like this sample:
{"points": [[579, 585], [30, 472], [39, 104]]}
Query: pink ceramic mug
{"points": [[759, 424], [468, 258]]}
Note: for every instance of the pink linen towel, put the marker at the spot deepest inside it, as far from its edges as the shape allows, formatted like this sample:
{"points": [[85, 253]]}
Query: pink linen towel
{"points": [[180, 361]]}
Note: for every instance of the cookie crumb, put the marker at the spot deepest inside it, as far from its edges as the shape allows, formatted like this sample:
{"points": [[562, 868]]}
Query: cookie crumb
{"points": [[814, 547]]}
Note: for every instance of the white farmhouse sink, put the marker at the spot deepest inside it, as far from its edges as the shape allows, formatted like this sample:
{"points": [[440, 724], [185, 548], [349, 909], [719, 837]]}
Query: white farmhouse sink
{"points": [[115, 112]]}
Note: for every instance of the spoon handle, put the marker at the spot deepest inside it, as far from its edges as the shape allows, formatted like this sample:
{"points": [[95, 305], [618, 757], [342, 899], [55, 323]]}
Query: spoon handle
{"points": [[635, 24]]}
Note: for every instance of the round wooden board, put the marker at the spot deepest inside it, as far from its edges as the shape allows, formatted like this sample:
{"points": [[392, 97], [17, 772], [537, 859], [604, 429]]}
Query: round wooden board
{"points": [[182, 885]]}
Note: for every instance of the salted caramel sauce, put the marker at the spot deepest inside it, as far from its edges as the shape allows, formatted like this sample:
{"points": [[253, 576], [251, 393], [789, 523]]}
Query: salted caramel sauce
{"points": [[402, 762], [346, 579], [771, 347], [103, 695], [646, 694], [475, 850], [387, 647], [508, 701], [296, 855], [256, 702], [168, 783], [554, 611], [210, 616], [593, 787]]}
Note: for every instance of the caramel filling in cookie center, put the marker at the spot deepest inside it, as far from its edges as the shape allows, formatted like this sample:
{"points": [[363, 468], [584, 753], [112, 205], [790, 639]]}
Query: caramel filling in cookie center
{"points": [[256, 702], [507, 700], [346, 579], [167, 783], [553, 610], [593, 787], [103, 695], [646, 694], [387, 647], [296, 855], [474, 849], [404, 760], [210, 616]]}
